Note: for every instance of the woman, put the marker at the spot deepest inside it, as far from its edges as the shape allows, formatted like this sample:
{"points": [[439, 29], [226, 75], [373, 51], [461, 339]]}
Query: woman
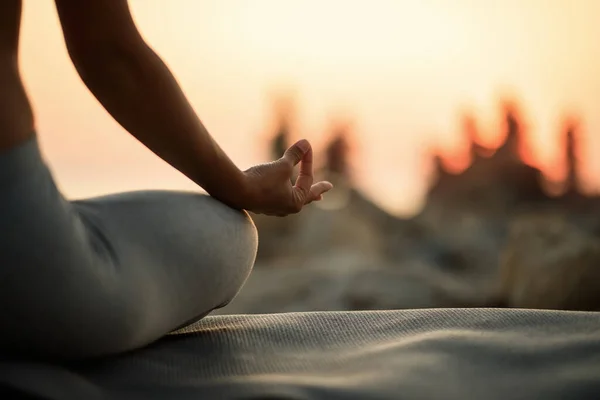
{"points": [[111, 274]]}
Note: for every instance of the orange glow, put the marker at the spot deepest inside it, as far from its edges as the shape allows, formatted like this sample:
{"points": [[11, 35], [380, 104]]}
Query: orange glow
{"points": [[403, 68]]}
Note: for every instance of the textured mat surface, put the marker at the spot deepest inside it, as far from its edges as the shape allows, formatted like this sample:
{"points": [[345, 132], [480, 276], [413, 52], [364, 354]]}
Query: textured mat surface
{"points": [[414, 354]]}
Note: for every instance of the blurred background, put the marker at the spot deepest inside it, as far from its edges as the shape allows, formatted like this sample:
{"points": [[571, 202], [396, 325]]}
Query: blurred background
{"points": [[460, 134]]}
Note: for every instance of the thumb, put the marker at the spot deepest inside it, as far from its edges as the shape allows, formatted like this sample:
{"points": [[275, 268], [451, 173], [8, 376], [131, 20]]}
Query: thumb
{"points": [[317, 190], [295, 153]]}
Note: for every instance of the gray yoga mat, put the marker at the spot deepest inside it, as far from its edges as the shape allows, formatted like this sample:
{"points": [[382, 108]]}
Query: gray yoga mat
{"points": [[408, 354]]}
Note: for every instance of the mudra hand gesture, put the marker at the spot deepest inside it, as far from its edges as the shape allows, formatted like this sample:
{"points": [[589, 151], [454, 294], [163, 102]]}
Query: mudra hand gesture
{"points": [[269, 187]]}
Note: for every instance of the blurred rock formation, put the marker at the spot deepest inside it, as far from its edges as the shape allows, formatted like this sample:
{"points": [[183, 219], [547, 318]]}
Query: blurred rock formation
{"points": [[490, 235]]}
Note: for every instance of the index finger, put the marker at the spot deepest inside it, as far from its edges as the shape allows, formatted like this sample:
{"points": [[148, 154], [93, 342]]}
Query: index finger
{"points": [[305, 176]]}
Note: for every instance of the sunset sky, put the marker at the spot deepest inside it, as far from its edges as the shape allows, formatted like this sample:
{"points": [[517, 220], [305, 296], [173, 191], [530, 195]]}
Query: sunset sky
{"points": [[403, 69]]}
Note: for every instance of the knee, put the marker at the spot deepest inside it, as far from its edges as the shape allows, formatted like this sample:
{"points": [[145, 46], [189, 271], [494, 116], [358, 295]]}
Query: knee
{"points": [[242, 254], [247, 234], [247, 246], [237, 249], [238, 233]]}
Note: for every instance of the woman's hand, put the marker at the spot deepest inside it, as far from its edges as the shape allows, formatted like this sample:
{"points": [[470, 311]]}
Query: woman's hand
{"points": [[268, 187]]}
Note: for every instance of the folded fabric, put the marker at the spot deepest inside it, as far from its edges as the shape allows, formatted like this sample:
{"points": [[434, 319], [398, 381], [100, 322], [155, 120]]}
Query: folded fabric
{"points": [[408, 354]]}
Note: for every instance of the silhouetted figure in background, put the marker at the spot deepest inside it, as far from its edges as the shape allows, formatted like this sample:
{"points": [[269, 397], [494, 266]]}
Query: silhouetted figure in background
{"points": [[336, 168], [284, 111], [336, 155], [571, 160], [284, 115], [280, 142]]}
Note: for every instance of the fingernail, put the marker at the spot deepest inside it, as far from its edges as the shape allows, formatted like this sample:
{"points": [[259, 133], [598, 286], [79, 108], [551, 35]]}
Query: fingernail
{"points": [[303, 145]]}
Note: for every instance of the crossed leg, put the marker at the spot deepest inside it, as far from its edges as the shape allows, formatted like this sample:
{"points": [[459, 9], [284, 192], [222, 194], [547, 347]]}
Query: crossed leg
{"points": [[110, 274]]}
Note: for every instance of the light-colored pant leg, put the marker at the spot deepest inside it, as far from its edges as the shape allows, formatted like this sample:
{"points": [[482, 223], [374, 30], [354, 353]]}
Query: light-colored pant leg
{"points": [[114, 273]]}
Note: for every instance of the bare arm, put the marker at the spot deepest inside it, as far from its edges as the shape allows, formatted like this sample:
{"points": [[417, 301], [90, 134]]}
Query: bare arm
{"points": [[16, 116], [138, 90]]}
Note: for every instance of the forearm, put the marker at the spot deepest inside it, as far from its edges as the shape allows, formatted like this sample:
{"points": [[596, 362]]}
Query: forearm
{"points": [[139, 91], [16, 116]]}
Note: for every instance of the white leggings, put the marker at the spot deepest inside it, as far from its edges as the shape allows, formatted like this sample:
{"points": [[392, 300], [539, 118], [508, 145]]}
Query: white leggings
{"points": [[105, 275]]}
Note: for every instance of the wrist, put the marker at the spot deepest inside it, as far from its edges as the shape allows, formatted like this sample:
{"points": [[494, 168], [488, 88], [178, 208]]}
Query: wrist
{"points": [[233, 190]]}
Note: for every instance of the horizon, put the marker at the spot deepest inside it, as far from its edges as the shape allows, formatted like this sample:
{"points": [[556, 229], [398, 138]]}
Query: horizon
{"points": [[403, 71]]}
